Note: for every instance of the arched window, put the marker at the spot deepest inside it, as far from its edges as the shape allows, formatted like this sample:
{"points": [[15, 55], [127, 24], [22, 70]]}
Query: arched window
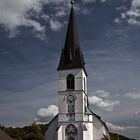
{"points": [[70, 82], [71, 132], [71, 104], [71, 107]]}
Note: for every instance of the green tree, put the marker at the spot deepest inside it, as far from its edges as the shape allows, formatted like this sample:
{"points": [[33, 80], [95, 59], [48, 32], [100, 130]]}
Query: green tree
{"points": [[35, 133]]}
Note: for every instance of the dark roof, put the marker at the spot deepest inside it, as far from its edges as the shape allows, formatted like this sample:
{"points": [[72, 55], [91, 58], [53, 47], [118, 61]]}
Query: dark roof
{"points": [[4, 136], [53, 119], [71, 54]]}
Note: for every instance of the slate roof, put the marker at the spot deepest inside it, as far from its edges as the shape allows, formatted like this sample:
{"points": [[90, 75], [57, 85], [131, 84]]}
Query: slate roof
{"points": [[71, 54]]}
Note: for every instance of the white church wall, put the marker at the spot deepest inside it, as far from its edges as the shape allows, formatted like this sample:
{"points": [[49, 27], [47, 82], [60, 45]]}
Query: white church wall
{"points": [[79, 79], [79, 106], [62, 132], [78, 93], [62, 108], [63, 127], [99, 129], [95, 130], [62, 103], [59, 133], [88, 135]]}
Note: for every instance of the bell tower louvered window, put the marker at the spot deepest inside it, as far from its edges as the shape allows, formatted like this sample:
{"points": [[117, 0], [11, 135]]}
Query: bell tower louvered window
{"points": [[70, 82]]}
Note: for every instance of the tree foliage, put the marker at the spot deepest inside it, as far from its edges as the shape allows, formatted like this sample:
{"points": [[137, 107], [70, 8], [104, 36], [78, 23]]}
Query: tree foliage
{"points": [[37, 132], [33, 132]]}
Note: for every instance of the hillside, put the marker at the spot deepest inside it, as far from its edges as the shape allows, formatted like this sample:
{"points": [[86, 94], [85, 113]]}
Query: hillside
{"points": [[37, 132], [33, 132], [118, 137]]}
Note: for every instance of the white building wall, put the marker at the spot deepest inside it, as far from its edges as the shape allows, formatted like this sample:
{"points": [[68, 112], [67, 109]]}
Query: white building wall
{"points": [[95, 127], [60, 133], [78, 92], [88, 135], [95, 130], [79, 79], [80, 104], [99, 129]]}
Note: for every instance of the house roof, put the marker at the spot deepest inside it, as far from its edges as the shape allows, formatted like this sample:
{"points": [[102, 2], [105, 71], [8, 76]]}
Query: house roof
{"points": [[4, 136], [71, 54]]}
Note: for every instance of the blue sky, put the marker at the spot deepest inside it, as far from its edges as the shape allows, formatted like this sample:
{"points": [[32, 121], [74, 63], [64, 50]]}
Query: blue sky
{"points": [[32, 33]]}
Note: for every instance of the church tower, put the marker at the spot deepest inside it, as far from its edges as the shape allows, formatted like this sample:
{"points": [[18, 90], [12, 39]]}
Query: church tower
{"points": [[72, 82], [75, 121]]}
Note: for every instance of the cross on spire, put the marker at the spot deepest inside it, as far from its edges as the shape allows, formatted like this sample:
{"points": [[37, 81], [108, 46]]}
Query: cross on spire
{"points": [[72, 3]]}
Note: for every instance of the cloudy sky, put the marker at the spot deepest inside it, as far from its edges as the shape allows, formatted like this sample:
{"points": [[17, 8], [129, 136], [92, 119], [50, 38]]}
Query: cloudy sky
{"points": [[32, 33]]}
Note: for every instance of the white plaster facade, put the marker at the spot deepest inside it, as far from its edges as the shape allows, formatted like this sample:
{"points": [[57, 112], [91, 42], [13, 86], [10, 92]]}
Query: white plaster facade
{"points": [[79, 93], [89, 126]]}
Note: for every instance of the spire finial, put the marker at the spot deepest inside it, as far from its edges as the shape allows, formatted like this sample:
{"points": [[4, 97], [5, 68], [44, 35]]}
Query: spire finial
{"points": [[72, 3]]}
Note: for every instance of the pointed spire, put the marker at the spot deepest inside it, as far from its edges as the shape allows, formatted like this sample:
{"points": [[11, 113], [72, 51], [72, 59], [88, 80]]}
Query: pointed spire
{"points": [[72, 3], [71, 55]]}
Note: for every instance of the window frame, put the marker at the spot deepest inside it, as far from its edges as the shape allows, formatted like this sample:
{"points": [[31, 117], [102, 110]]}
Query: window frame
{"points": [[70, 82]]}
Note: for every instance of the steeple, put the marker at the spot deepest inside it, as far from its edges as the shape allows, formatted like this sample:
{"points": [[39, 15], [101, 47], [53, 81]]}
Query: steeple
{"points": [[71, 55], [75, 121]]}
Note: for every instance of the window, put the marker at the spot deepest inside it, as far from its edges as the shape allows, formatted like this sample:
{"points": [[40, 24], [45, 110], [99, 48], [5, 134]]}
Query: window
{"points": [[71, 107], [71, 104], [71, 132], [70, 82]]}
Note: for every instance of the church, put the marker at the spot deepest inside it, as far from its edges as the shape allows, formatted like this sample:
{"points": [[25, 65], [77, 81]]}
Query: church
{"points": [[75, 120]]}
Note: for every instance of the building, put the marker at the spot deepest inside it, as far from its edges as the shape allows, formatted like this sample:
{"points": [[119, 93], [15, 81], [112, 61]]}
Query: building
{"points": [[4, 136], [75, 121]]}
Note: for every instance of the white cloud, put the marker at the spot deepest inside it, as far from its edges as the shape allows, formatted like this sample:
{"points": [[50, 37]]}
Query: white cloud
{"points": [[103, 0], [136, 3], [14, 13], [44, 115], [118, 127], [101, 93], [52, 1], [51, 110], [61, 13], [85, 11], [88, 1], [133, 95], [100, 100], [138, 113], [117, 20], [132, 15], [62, 10], [115, 127], [55, 25]]}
